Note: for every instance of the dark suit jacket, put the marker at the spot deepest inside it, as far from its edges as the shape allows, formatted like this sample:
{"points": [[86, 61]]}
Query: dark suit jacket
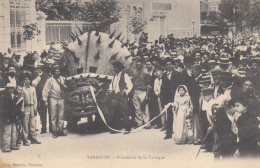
{"points": [[9, 109], [169, 87], [5, 80], [193, 88], [248, 134], [226, 137]]}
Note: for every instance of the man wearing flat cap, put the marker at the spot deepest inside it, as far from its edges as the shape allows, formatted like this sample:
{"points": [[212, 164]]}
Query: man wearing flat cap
{"points": [[119, 88], [54, 91], [39, 83]]}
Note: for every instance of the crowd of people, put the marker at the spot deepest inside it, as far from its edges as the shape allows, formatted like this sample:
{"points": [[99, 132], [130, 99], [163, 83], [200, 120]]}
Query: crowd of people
{"points": [[200, 90]]}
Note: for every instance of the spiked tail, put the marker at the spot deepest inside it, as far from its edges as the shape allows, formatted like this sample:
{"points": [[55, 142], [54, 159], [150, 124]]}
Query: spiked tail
{"points": [[122, 40], [97, 56], [80, 31], [72, 36], [111, 44], [99, 39], [118, 37], [126, 57], [113, 56], [79, 41], [97, 33], [111, 35]]}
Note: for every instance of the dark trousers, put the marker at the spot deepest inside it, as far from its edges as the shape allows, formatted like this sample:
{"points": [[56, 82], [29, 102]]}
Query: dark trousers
{"points": [[42, 109], [120, 118], [154, 110], [169, 122], [204, 124]]}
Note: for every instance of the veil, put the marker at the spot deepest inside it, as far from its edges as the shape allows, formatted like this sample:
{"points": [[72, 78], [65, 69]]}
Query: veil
{"points": [[177, 95]]}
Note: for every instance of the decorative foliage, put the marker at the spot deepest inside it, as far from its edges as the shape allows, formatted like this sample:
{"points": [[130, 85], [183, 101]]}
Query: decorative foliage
{"points": [[30, 31], [240, 12], [103, 12], [137, 25]]}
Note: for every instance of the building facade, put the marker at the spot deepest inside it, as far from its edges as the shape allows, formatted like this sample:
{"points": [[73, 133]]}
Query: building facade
{"points": [[213, 5], [14, 14], [163, 17]]}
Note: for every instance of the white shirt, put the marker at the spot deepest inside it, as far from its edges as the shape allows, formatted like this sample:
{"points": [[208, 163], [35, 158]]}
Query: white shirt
{"points": [[114, 85], [169, 75], [157, 86], [12, 80]]}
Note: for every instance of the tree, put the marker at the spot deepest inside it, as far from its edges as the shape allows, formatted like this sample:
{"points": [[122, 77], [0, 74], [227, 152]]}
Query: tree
{"points": [[30, 31], [239, 11], [102, 11], [137, 25], [60, 10]]}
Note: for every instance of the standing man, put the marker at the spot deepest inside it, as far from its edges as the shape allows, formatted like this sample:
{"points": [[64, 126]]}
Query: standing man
{"points": [[141, 83], [170, 81], [9, 118], [39, 83], [54, 91], [30, 111], [10, 77], [119, 88]]}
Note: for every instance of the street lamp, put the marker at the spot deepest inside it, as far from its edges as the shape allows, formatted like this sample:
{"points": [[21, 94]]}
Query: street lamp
{"points": [[193, 24]]}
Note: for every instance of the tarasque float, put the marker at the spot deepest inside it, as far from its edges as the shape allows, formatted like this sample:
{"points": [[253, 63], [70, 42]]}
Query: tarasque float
{"points": [[87, 60]]}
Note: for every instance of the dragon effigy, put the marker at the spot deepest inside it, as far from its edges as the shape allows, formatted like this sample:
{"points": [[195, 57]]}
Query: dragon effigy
{"points": [[87, 61]]}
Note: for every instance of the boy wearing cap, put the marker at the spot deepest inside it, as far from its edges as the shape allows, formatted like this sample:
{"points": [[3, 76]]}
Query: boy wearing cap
{"points": [[9, 119], [30, 110]]}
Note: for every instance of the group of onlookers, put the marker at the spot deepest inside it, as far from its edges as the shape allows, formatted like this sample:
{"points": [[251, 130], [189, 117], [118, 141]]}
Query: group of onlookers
{"points": [[207, 86]]}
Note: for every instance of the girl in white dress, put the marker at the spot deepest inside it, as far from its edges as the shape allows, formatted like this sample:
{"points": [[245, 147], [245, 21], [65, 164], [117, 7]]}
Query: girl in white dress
{"points": [[182, 116]]}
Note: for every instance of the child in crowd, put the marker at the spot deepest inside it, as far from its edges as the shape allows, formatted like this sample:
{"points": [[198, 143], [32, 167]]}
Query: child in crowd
{"points": [[182, 116]]}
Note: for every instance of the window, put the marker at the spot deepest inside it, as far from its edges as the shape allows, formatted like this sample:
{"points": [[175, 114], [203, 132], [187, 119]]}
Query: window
{"points": [[92, 69], [214, 9], [161, 6], [17, 20]]}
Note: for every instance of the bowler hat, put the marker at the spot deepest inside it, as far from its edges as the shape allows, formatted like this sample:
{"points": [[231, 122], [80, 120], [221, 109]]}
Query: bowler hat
{"points": [[207, 91]]}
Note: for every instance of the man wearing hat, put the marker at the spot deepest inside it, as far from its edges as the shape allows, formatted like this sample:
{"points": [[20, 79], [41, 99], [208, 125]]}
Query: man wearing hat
{"points": [[39, 83], [224, 63], [119, 88], [206, 116], [4, 65], [30, 110], [10, 77], [9, 117], [54, 91]]}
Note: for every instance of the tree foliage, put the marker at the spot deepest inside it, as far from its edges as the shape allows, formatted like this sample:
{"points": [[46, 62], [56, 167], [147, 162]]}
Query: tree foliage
{"points": [[102, 11], [105, 12], [240, 12], [137, 25], [30, 31]]}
